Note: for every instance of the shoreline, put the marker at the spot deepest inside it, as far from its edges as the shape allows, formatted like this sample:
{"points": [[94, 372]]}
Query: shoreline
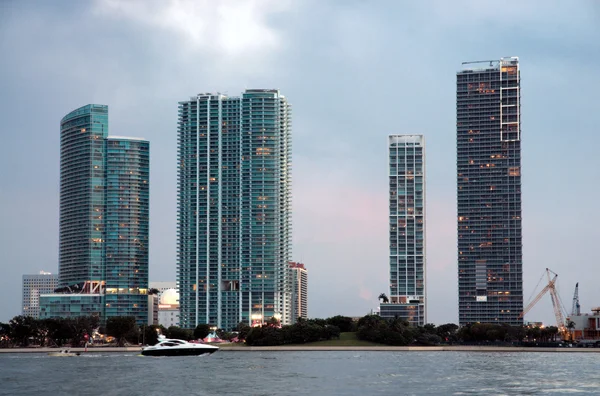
{"points": [[283, 348]]}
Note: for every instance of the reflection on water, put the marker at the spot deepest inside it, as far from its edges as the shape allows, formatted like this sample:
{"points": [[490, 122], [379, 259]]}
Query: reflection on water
{"points": [[303, 373]]}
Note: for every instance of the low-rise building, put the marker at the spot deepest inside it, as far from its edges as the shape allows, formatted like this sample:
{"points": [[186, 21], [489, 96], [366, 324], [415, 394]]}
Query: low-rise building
{"points": [[168, 308], [586, 326]]}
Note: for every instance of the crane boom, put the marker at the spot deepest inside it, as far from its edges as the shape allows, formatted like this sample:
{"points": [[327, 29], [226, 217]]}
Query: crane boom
{"points": [[576, 308], [540, 294], [556, 303]]}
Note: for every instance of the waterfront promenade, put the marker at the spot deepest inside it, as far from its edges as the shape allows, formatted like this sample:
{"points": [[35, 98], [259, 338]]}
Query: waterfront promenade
{"points": [[298, 348]]}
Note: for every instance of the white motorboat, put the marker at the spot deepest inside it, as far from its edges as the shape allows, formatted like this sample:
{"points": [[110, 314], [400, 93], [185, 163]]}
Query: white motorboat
{"points": [[173, 347]]}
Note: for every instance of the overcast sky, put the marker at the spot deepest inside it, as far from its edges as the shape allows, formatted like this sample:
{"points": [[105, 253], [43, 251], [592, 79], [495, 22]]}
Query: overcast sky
{"points": [[355, 72]]}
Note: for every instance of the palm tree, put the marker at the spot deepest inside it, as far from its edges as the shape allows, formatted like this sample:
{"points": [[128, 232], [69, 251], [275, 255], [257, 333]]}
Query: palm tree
{"points": [[383, 298], [571, 326]]}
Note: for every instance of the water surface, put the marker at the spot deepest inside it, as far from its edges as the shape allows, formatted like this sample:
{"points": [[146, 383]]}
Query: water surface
{"points": [[303, 373]]}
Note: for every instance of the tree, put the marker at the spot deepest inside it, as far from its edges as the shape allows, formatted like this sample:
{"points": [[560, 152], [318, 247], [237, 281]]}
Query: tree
{"points": [[151, 334], [571, 327], [201, 331], [119, 327], [22, 328], [4, 334], [179, 333], [81, 326], [384, 298], [243, 330], [448, 332], [344, 323], [153, 290], [273, 322]]}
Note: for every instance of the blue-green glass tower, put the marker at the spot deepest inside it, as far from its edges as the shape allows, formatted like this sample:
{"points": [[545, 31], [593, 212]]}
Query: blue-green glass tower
{"points": [[103, 243], [82, 189], [126, 224], [234, 208]]}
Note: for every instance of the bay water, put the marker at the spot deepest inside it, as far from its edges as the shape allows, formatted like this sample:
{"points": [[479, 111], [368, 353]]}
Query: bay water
{"points": [[303, 373]]}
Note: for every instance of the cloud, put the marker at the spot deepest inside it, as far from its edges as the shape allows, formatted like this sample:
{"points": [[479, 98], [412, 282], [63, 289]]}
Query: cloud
{"points": [[227, 28]]}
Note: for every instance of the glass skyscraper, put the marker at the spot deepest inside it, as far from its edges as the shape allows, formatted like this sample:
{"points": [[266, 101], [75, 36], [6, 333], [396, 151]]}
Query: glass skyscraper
{"points": [[126, 226], [407, 230], [104, 211], [234, 209], [490, 266]]}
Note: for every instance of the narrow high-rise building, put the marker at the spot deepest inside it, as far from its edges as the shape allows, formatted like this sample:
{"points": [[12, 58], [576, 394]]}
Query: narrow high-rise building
{"points": [[408, 300], [104, 218], [33, 287], [234, 212], [490, 267], [299, 291]]}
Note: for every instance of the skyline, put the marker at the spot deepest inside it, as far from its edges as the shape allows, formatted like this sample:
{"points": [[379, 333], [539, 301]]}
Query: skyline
{"points": [[406, 56]]}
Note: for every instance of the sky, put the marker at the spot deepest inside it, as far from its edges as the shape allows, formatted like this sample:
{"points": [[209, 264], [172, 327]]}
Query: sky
{"points": [[355, 72]]}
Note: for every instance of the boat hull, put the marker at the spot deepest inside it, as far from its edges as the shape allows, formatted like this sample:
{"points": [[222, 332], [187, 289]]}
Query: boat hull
{"points": [[178, 352]]}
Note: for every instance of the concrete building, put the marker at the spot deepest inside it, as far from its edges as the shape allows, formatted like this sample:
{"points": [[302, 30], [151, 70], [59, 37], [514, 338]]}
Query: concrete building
{"points": [[299, 275], [407, 230], [162, 286], [234, 212], [168, 308], [33, 286], [587, 326], [490, 262], [104, 212], [168, 303]]}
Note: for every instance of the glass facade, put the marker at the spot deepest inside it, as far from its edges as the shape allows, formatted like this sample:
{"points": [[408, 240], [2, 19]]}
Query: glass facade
{"points": [[82, 167], [407, 229], [126, 236], [104, 211], [233, 212], [490, 267], [71, 305]]}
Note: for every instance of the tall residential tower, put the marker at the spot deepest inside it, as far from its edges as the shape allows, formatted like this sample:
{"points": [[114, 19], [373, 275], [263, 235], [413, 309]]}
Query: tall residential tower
{"points": [[299, 278], [490, 266], [407, 230], [234, 158], [104, 217]]}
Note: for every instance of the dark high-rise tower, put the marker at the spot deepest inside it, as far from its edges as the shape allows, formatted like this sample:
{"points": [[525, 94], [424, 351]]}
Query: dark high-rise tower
{"points": [[490, 268]]}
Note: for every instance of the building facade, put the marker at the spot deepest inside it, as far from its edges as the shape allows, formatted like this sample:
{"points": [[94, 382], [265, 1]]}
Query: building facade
{"points": [[104, 213], [126, 223], [168, 308], [490, 267], [408, 299], [299, 275], [168, 303], [234, 209], [33, 286]]}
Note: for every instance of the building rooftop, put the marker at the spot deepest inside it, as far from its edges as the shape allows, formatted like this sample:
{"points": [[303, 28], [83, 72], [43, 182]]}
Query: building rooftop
{"points": [[127, 138], [492, 65]]}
